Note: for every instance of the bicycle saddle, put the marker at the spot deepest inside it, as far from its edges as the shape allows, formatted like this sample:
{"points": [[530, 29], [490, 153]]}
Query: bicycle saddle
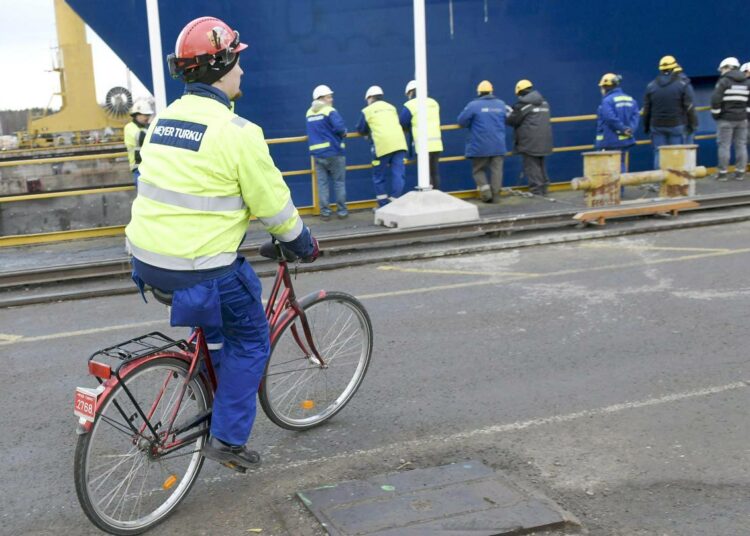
{"points": [[161, 296]]}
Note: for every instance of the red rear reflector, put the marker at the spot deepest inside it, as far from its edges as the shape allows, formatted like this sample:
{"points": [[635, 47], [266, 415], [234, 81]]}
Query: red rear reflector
{"points": [[100, 370]]}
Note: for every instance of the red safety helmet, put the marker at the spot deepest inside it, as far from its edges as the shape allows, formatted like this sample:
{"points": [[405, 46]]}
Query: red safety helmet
{"points": [[204, 43]]}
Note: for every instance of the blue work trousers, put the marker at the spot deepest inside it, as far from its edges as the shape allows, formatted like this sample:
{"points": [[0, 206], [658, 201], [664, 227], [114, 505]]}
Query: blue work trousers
{"points": [[388, 166], [239, 352], [331, 172], [241, 360], [666, 136]]}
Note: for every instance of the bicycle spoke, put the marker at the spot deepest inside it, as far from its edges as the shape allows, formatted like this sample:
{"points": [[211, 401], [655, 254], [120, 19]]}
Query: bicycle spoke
{"points": [[124, 491]]}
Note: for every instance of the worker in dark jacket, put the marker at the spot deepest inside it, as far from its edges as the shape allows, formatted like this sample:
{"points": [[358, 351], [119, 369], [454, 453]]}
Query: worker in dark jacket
{"points": [[484, 117], [729, 105], [668, 110], [530, 117]]}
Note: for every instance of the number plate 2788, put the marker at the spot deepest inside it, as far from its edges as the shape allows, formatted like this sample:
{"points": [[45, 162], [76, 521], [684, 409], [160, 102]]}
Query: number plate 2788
{"points": [[84, 405]]}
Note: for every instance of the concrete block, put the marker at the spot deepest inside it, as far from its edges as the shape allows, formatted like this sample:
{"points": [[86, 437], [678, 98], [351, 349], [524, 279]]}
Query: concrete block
{"points": [[425, 208]]}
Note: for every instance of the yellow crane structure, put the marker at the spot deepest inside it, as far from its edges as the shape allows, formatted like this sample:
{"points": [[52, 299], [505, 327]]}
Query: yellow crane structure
{"points": [[80, 112]]}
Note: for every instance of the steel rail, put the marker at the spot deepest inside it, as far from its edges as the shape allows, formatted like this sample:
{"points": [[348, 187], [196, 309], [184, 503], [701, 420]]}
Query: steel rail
{"points": [[336, 245]]}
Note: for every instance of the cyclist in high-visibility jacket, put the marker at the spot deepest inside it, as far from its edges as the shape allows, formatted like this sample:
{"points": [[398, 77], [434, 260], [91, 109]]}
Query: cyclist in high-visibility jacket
{"points": [[617, 118], [379, 121], [408, 118], [204, 172], [135, 132]]}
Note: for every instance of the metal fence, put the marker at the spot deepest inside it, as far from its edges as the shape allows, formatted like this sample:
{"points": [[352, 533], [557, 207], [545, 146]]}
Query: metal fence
{"points": [[17, 240]]}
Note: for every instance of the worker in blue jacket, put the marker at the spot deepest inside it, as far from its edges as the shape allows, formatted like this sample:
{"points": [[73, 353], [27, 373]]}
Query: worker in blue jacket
{"points": [[617, 118], [484, 117], [325, 133]]}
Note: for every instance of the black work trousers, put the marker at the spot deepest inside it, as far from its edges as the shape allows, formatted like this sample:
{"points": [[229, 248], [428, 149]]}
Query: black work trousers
{"points": [[536, 173]]}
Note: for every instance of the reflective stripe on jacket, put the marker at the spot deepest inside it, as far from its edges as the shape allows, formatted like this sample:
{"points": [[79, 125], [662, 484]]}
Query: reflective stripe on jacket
{"points": [[485, 119], [204, 172], [380, 121], [132, 136], [409, 119], [616, 113], [325, 130], [729, 100]]}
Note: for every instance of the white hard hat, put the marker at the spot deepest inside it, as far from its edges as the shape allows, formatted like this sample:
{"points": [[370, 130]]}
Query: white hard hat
{"points": [[321, 91], [729, 62], [411, 86], [142, 107], [745, 67], [373, 91]]}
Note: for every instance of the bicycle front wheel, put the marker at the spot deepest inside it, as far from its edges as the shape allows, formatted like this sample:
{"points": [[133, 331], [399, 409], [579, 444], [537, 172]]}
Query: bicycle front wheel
{"points": [[126, 482], [298, 392]]}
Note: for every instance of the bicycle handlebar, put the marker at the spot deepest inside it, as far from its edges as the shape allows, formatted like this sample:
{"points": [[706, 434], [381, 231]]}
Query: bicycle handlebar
{"points": [[275, 251]]}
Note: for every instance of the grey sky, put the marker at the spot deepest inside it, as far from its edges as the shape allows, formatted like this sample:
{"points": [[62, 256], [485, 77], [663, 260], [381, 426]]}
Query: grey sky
{"points": [[27, 36]]}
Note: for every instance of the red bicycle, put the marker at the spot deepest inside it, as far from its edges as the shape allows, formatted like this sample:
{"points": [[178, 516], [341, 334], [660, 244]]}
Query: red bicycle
{"points": [[141, 431]]}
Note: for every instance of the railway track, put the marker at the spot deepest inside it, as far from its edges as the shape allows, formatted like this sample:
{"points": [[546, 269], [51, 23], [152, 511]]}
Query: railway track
{"points": [[111, 276]]}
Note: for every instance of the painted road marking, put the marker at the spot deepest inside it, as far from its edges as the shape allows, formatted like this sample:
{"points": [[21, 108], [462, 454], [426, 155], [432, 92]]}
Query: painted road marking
{"points": [[9, 338], [391, 267], [65, 334], [636, 247], [497, 429], [571, 271], [422, 290]]}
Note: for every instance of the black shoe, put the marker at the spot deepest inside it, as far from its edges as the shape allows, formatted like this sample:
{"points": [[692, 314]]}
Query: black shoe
{"points": [[341, 216], [739, 176], [325, 217], [230, 455], [723, 176]]}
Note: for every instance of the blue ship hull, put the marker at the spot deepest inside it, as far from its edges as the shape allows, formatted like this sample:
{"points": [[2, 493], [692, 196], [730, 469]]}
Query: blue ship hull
{"points": [[563, 46]]}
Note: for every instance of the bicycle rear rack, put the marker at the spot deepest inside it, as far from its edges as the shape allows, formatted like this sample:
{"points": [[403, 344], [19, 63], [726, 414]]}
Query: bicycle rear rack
{"points": [[145, 345]]}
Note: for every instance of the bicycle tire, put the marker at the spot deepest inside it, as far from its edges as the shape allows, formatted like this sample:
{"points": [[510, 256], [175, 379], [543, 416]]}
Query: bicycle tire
{"points": [[90, 444], [302, 409]]}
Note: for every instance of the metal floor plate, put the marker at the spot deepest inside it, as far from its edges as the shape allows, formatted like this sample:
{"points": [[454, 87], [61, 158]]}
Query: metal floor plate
{"points": [[451, 500]]}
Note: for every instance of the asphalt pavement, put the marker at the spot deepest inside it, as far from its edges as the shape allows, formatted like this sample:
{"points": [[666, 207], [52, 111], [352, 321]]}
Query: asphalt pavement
{"points": [[608, 374]]}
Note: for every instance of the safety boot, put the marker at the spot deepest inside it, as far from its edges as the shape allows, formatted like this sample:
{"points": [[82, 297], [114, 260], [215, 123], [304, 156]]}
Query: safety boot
{"points": [[234, 457], [723, 176]]}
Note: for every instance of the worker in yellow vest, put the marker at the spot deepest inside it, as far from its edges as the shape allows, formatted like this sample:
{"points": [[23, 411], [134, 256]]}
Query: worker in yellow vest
{"points": [[204, 172], [135, 132], [408, 118], [379, 122]]}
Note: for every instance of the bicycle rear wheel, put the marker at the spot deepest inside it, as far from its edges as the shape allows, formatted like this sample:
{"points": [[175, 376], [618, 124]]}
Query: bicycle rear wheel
{"points": [[124, 483], [298, 393]]}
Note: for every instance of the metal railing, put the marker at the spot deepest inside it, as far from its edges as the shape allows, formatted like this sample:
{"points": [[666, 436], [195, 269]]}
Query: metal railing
{"points": [[16, 240]]}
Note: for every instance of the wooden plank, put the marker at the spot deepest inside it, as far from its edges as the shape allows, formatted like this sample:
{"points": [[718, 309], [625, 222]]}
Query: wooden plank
{"points": [[601, 215]]}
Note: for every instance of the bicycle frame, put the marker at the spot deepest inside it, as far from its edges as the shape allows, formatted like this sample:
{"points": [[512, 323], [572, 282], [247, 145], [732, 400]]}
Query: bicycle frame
{"points": [[281, 309]]}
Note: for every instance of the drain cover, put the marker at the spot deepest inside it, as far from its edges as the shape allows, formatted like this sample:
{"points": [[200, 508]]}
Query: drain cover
{"points": [[457, 499]]}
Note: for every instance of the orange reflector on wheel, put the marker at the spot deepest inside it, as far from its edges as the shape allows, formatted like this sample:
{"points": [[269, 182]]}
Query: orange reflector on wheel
{"points": [[169, 482], [307, 404]]}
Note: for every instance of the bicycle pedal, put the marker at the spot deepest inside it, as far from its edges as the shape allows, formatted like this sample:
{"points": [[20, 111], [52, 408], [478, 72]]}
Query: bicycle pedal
{"points": [[234, 467]]}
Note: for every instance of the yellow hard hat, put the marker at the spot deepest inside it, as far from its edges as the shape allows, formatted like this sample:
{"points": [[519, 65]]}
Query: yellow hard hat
{"points": [[668, 63], [523, 84], [485, 86], [609, 79]]}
